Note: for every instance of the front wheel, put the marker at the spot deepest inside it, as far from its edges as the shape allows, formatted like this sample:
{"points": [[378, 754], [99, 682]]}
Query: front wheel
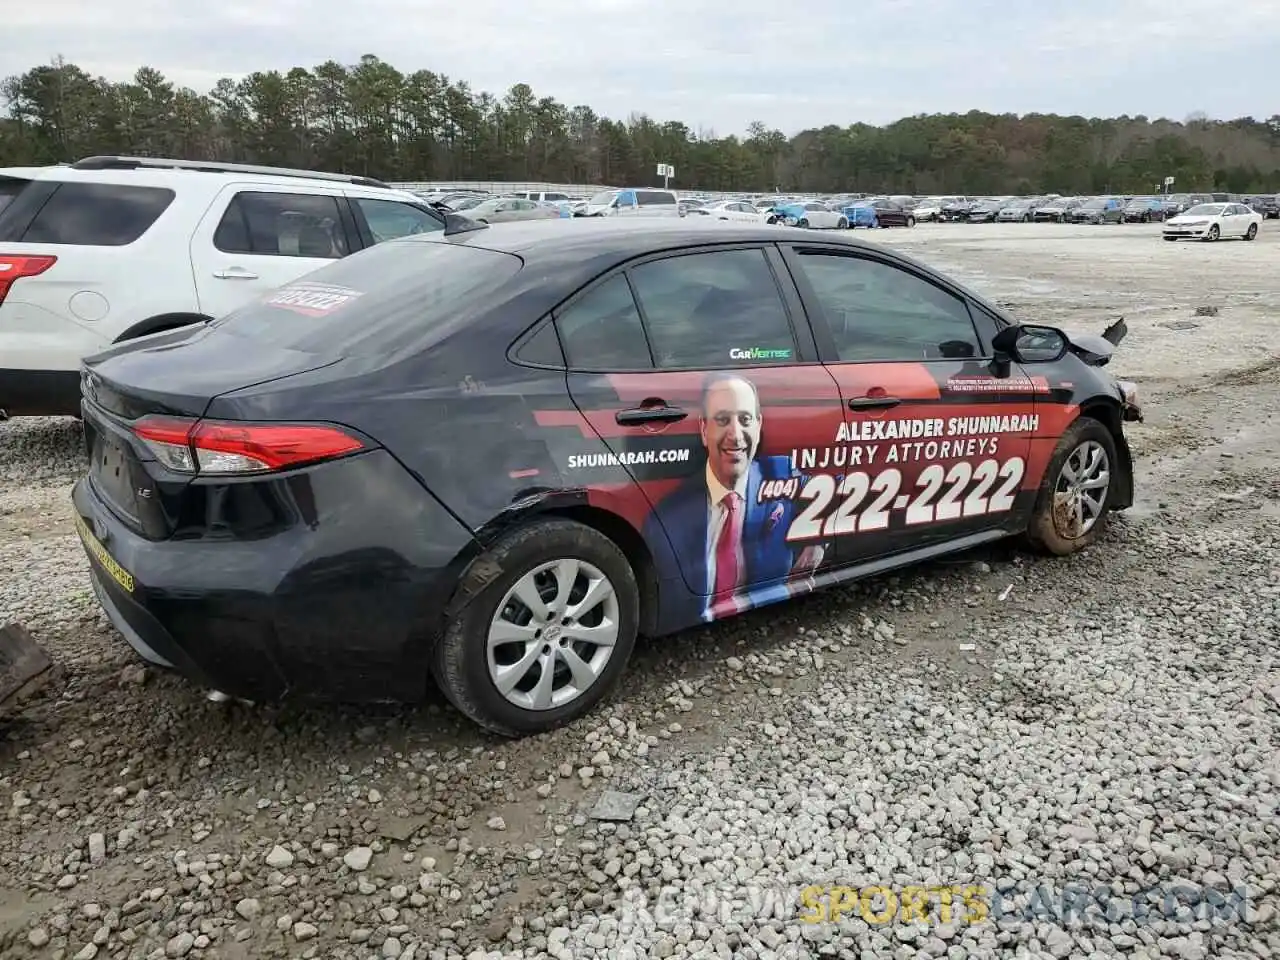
{"points": [[1251, 232], [543, 642], [842, 224], [1214, 233], [1074, 500], [803, 224], [911, 221]]}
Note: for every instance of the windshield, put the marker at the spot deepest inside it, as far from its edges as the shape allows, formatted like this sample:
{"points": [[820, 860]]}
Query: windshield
{"points": [[603, 198], [1205, 210], [1094, 204], [390, 297]]}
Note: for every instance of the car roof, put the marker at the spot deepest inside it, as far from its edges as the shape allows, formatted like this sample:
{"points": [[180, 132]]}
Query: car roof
{"points": [[183, 178], [626, 237]]}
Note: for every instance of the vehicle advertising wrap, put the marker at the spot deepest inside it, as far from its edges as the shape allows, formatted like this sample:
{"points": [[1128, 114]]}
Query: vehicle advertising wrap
{"points": [[747, 485]]}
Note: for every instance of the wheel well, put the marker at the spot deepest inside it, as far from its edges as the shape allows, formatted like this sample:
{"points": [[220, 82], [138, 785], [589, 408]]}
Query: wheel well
{"points": [[166, 321], [1107, 413], [631, 543]]}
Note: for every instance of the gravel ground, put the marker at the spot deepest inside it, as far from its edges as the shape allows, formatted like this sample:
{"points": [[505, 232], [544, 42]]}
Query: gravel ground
{"points": [[1025, 728]]}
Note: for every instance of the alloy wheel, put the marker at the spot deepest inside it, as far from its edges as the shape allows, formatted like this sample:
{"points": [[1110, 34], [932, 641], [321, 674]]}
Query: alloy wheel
{"points": [[1080, 492], [553, 634]]}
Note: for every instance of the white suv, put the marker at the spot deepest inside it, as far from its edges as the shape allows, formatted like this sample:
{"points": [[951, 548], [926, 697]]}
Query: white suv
{"points": [[112, 248]]}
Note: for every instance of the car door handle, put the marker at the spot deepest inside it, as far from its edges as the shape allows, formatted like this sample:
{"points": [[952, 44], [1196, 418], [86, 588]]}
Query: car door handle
{"points": [[642, 415], [873, 403], [235, 273]]}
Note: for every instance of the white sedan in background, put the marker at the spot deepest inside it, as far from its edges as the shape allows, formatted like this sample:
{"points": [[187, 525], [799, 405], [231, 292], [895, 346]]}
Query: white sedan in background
{"points": [[1212, 221], [926, 211], [736, 210]]}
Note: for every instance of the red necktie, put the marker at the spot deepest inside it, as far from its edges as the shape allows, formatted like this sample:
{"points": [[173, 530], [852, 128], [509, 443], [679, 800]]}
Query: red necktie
{"points": [[727, 551]]}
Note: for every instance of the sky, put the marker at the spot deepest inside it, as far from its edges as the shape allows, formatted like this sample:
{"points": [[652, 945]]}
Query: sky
{"points": [[716, 66]]}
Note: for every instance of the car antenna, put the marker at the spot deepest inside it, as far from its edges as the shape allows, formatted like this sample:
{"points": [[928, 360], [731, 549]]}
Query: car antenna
{"points": [[456, 223]]}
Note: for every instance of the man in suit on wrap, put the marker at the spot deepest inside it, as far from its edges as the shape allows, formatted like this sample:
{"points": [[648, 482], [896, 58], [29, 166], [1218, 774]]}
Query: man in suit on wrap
{"points": [[731, 545]]}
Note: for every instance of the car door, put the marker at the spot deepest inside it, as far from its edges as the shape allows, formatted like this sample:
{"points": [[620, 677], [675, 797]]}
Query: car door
{"points": [[698, 371], [254, 238], [378, 220], [937, 443]]}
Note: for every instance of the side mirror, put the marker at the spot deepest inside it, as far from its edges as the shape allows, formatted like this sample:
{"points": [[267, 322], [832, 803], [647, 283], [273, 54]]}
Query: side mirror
{"points": [[1028, 343]]}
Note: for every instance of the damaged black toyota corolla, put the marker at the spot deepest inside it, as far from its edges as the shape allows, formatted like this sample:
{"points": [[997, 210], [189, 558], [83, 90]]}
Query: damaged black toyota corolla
{"points": [[493, 457]]}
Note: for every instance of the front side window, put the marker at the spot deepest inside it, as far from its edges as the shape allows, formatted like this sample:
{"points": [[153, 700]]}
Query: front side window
{"points": [[876, 311], [390, 219], [713, 310]]}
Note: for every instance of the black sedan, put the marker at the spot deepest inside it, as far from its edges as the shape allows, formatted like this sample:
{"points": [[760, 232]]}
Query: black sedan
{"points": [[955, 211], [494, 456], [985, 211]]}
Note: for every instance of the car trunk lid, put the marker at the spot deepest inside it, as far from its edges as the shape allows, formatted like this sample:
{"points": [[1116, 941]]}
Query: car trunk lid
{"points": [[169, 374]]}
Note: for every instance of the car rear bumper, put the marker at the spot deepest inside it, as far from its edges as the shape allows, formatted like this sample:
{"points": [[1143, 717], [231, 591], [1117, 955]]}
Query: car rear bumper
{"points": [[342, 605], [40, 393]]}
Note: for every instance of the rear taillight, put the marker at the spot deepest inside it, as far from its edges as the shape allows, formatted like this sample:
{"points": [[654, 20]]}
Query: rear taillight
{"points": [[226, 448], [14, 266]]}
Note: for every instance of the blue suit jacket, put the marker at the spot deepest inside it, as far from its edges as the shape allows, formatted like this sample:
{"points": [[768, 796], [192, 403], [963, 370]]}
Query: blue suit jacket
{"points": [[676, 533]]}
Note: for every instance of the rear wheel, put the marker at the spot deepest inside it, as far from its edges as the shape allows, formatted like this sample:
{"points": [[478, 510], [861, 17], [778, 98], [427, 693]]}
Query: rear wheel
{"points": [[804, 224], [911, 221], [546, 640], [1251, 232], [842, 224], [1074, 501]]}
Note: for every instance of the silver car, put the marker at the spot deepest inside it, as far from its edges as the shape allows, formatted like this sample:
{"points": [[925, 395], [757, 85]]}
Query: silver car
{"points": [[503, 209]]}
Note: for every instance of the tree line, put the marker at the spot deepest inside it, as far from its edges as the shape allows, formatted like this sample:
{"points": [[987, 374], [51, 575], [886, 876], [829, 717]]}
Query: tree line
{"points": [[370, 118]]}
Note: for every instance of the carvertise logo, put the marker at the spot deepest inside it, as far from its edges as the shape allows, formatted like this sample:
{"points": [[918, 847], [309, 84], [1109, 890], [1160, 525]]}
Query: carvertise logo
{"points": [[759, 353]]}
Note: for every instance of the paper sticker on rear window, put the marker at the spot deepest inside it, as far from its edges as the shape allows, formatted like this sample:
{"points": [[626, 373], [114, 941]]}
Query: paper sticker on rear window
{"points": [[312, 299]]}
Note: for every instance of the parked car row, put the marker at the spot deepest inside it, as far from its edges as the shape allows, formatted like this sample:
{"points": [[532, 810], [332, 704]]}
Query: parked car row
{"points": [[861, 210]]}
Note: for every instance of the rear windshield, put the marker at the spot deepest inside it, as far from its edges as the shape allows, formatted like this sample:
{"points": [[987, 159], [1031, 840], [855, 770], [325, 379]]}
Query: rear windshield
{"points": [[373, 303]]}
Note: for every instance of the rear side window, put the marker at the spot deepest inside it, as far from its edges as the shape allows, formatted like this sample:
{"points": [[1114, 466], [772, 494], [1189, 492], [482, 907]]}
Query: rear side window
{"points": [[601, 330], [97, 214], [282, 225], [713, 310], [392, 297], [10, 187]]}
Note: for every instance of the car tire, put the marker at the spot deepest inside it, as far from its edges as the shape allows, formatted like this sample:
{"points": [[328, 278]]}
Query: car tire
{"points": [[533, 556], [1252, 232], [1171, 239], [1214, 233], [803, 224], [1055, 519], [842, 224], [911, 221]]}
